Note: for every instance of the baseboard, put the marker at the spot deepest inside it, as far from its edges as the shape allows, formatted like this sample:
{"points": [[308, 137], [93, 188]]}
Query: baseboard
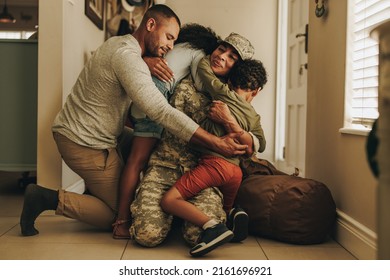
{"points": [[359, 240], [77, 187]]}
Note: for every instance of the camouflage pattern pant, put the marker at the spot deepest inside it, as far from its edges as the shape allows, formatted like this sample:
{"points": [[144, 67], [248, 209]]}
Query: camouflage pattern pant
{"points": [[168, 162], [151, 224]]}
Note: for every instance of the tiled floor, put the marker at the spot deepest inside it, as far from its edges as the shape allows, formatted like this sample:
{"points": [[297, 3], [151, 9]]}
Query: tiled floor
{"points": [[65, 239]]}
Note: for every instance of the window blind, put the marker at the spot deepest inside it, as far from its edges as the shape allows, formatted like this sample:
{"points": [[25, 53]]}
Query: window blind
{"points": [[367, 14]]}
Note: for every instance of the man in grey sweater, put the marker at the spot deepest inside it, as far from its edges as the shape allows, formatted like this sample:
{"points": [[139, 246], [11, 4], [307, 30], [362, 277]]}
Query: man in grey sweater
{"points": [[92, 120]]}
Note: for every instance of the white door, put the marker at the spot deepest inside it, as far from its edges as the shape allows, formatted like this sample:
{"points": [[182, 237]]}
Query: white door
{"points": [[296, 87]]}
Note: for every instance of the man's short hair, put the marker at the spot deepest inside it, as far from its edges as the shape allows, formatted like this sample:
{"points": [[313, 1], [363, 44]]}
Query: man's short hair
{"points": [[158, 11]]}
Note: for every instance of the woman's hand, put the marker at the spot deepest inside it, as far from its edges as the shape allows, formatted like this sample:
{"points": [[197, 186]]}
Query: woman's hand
{"points": [[159, 68], [219, 113]]}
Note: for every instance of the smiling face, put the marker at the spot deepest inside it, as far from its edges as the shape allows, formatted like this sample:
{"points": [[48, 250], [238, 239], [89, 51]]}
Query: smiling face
{"points": [[222, 59], [163, 33]]}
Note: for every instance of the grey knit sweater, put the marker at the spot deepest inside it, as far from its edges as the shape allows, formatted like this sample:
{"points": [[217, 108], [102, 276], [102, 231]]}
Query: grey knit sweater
{"points": [[96, 109]]}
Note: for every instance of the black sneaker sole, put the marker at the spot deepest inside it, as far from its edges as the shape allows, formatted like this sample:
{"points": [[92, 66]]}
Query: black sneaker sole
{"points": [[240, 227], [198, 250]]}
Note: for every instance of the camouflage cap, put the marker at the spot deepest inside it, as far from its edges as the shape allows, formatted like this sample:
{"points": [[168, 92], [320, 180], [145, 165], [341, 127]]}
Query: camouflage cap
{"points": [[241, 44]]}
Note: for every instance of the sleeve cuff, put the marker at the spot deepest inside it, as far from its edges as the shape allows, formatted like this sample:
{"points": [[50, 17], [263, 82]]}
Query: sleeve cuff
{"points": [[256, 143]]}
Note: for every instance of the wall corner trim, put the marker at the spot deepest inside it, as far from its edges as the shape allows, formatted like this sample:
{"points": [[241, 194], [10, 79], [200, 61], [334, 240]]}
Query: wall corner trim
{"points": [[359, 240]]}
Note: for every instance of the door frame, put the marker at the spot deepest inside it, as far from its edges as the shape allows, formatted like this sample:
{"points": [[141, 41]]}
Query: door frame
{"points": [[280, 118], [281, 93]]}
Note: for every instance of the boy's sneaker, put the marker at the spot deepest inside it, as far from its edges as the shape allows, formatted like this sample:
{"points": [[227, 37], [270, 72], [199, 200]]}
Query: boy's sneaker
{"points": [[237, 222], [210, 239]]}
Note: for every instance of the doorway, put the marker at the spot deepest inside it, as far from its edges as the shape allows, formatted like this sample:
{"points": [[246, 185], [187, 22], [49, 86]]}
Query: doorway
{"points": [[292, 86]]}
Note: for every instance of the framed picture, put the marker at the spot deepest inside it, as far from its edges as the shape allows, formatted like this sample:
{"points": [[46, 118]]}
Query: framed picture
{"points": [[94, 10], [123, 19]]}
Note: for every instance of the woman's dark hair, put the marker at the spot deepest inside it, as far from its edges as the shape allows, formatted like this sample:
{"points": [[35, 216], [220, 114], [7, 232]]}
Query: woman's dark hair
{"points": [[248, 74], [199, 37]]}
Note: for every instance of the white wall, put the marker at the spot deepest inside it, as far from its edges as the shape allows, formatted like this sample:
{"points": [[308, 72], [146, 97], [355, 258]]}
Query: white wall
{"points": [[254, 19]]}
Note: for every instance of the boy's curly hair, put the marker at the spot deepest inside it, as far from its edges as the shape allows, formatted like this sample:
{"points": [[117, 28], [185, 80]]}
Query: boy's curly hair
{"points": [[199, 37], [248, 74]]}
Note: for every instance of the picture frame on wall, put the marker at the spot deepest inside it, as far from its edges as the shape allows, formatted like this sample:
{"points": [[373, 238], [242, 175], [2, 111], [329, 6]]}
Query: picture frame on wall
{"points": [[122, 18], [94, 10]]}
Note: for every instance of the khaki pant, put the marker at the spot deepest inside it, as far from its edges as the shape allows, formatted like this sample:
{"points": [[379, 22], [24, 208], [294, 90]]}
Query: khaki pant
{"points": [[101, 171]]}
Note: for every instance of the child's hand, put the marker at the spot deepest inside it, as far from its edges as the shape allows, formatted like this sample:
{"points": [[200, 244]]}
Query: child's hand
{"points": [[159, 68]]}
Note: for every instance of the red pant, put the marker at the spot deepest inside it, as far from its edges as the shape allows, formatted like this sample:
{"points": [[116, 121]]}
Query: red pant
{"points": [[212, 171]]}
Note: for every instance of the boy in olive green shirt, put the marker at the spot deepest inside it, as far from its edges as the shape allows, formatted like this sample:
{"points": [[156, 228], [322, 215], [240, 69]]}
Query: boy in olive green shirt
{"points": [[246, 80]]}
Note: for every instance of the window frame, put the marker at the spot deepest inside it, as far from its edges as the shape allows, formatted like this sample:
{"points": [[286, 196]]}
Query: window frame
{"points": [[352, 123]]}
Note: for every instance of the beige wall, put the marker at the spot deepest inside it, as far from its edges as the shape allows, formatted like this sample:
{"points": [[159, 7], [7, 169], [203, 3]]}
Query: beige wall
{"points": [[66, 38], [81, 37], [49, 91], [339, 160]]}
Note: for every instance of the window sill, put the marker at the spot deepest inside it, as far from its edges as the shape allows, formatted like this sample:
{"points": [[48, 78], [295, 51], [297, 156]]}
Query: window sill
{"points": [[360, 130]]}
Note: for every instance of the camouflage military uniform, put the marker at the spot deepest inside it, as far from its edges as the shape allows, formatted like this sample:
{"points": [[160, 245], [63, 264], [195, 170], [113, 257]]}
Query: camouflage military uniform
{"points": [[171, 158]]}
